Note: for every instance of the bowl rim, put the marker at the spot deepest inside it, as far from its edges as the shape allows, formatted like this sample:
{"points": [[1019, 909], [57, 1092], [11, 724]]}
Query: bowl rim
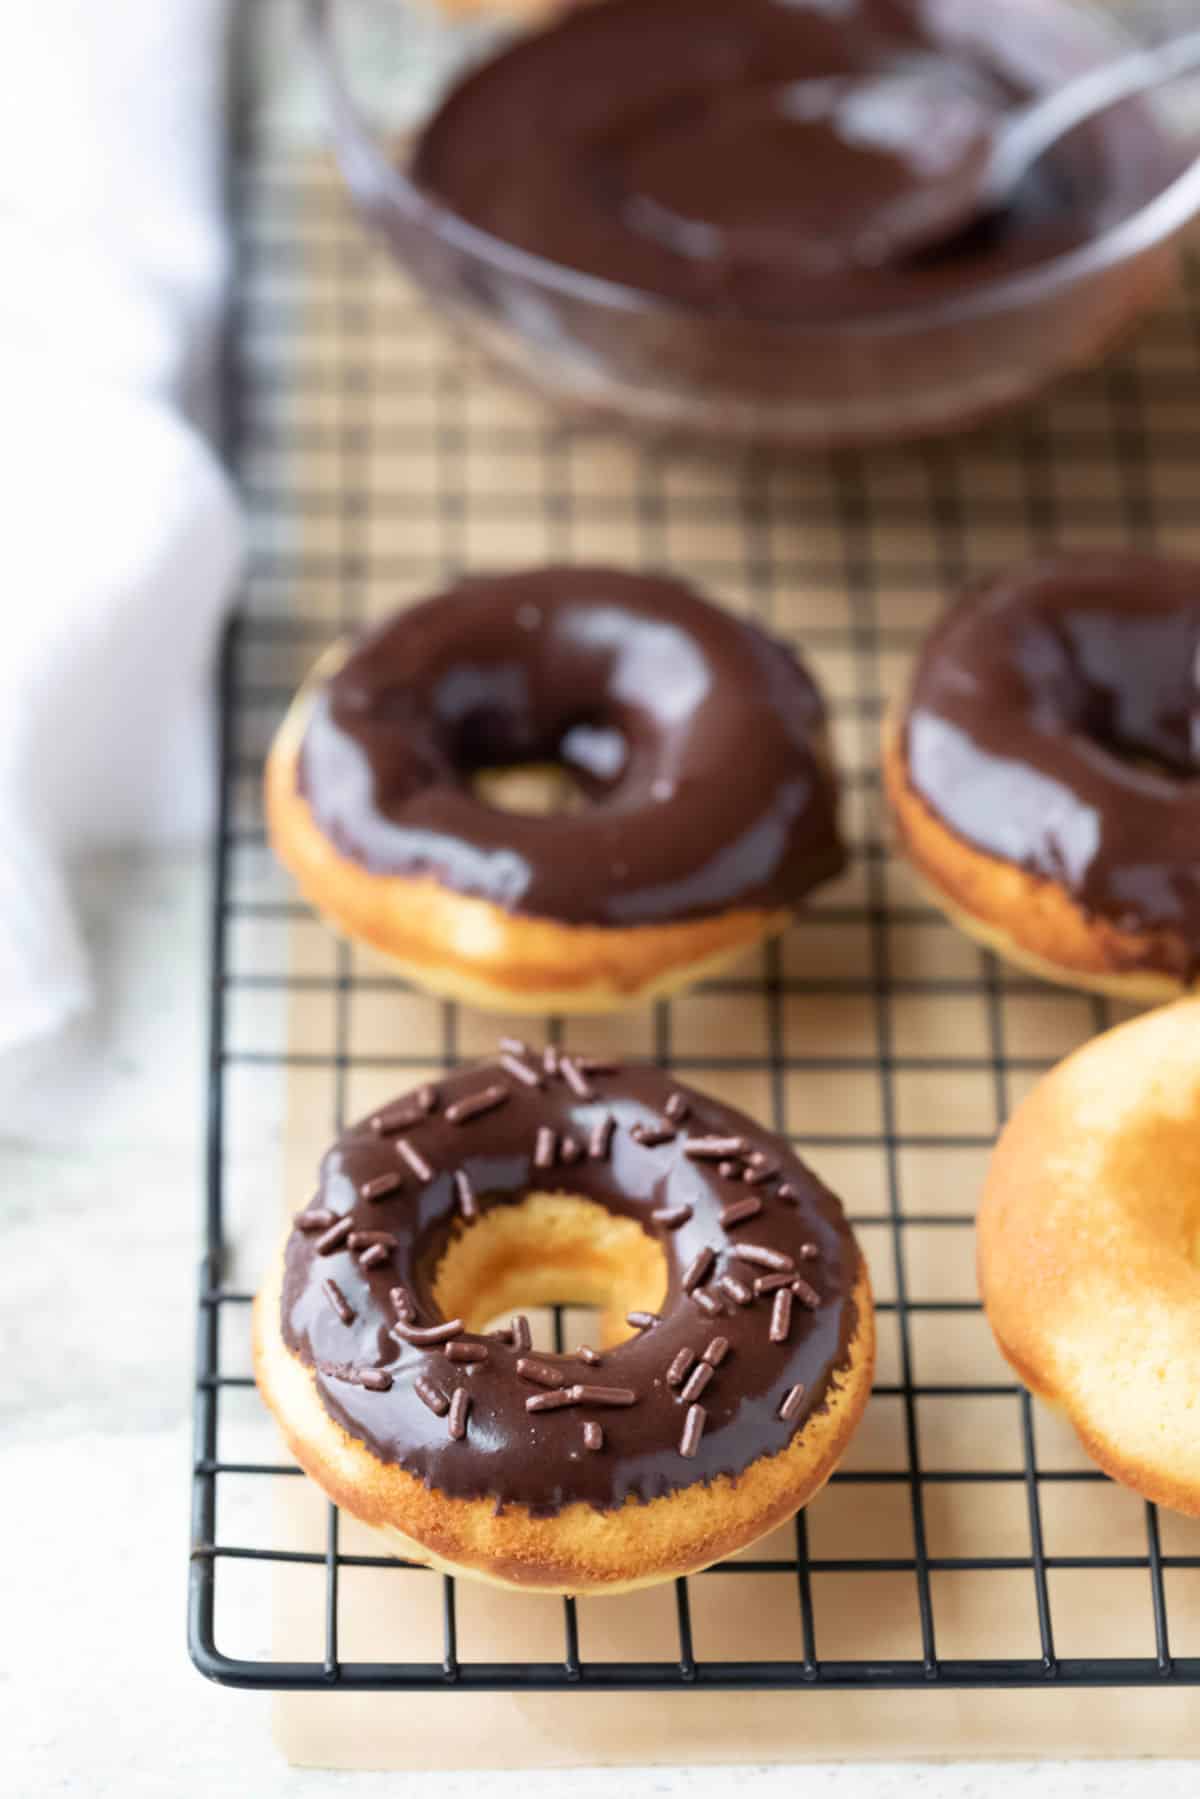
{"points": [[385, 190]]}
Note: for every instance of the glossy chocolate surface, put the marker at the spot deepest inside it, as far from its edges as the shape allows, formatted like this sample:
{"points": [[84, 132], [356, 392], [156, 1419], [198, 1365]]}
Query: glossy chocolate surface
{"points": [[696, 740], [539, 1459], [732, 157], [1055, 722]]}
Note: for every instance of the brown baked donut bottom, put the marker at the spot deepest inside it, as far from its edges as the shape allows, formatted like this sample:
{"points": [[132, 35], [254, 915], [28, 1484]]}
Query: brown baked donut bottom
{"points": [[1089, 1249], [1023, 917], [468, 949], [579, 1549]]}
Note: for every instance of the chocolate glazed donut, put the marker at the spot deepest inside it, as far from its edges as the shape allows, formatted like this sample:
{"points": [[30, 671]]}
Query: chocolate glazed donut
{"points": [[540, 1178], [695, 742], [1044, 775]]}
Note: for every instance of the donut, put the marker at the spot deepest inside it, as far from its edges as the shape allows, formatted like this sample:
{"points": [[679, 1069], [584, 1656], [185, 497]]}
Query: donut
{"points": [[538, 1179], [695, 750], [1043, 773], [1089, 1249]]}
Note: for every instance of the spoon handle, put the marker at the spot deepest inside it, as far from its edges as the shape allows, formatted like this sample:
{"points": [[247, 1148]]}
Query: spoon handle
{"points": [[1035, 128]]}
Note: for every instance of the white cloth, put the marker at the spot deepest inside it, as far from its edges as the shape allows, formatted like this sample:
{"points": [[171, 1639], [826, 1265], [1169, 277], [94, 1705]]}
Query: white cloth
{"points": [[121, 539]]}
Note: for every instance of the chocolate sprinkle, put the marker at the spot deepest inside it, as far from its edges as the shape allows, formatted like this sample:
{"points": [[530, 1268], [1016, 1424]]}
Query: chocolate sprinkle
{"points": [[792, 1401], [521, 1071], [737, 1290], [652, 1136], [338, 1301], [375, 1380], [368, 1239], [569, 1150], [550, 1058], [402, 1300], [755, 1177], [425, 1336], [551, 1402], [693, 1430], [716, 1352], [781, 1315], [593, 1436], [808, 1296], [714, 1149], [679, 1367], [460, 1407], [808, 1251], [520, 1333], [415, 1160], [762, 1257], [771, 1283], [319, 1219], [375, 1256], [587, 1354], [677, 1108], [544, 1147], [785, 1190], [739, 1211], [601, 1137], [574, 1076], [671, 1217], [728, 1171], [541, 1373], [474, 1105], [514, 1046], [427, 1098], [381, 1186], [425, 1391], [468, 1205], [400, 1117], [585, 1395], [466, 1352], [641, 1321], [699, 1378], [711, 1307], [698, 1268], [334, 1237]]}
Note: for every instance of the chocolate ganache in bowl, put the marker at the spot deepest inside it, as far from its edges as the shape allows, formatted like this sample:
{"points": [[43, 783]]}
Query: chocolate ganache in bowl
{"points": [[707, 215]]}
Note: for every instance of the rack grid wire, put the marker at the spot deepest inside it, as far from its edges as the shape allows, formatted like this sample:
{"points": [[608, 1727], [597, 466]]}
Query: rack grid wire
{"points": [[378, 460]]}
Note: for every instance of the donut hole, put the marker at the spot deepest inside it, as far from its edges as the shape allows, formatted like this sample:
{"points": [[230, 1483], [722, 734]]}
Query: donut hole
{"points": [[551, 1249], [566, 775], [535, 789], [1133, 676]]}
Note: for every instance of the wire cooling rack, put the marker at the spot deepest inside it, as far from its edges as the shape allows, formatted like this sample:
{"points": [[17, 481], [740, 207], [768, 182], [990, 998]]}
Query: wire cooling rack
{"points": [[966, 1539]]}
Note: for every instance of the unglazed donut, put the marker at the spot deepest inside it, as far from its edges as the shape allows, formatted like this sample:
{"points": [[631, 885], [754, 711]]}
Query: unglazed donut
{"points": [[1043, 775], [1089, 1249], [540, 1179], [697, 743]]}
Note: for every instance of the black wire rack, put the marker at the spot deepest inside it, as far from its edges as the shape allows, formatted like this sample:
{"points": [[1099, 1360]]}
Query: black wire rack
{"points": [[376, 461]]}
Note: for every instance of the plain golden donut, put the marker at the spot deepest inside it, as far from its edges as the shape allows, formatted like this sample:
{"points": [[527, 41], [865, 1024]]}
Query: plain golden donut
{"points": [[1089, 1249]]}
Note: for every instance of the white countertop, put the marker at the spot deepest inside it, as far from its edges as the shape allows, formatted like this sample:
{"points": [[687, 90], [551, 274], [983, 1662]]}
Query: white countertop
{"points": [[100, 1176]]}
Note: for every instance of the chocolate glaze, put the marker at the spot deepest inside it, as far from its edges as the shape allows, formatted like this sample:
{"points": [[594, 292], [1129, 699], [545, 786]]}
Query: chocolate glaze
{"points": [[696, 739], [712, 154], [1055, 722], [539, 1459]]}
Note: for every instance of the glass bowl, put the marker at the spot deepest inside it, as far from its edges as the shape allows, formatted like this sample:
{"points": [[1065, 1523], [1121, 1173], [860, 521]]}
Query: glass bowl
{"points": [[598, 350]]}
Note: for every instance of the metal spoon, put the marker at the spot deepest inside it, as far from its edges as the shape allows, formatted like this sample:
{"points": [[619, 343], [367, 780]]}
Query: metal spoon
{"points": [[997, 158]]}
